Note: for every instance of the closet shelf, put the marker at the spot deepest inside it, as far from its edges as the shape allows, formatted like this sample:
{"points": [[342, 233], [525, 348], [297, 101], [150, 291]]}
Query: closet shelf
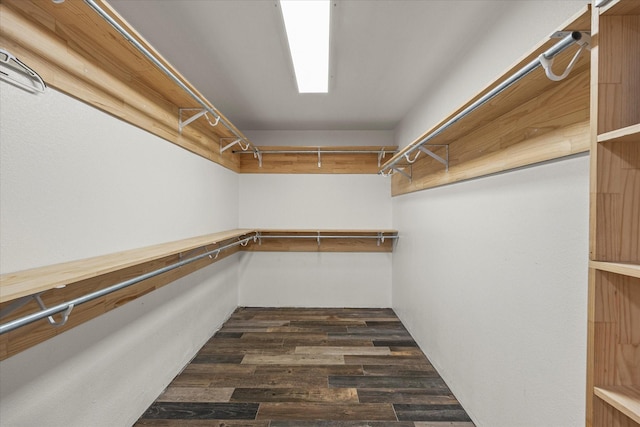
{"points": [[625, 399], [324, 241], [626, 269], [81, 290], [531, 120], [620, 7], [28, 282], [317, 159], [626, 134]]}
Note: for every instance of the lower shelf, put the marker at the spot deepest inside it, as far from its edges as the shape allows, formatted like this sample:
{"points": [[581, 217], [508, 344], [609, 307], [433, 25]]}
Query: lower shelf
{"points": [[625, 399]]}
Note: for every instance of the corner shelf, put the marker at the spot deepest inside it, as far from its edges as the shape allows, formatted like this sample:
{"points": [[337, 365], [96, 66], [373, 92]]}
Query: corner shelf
{"points": [[532, 121], [625, 399]]}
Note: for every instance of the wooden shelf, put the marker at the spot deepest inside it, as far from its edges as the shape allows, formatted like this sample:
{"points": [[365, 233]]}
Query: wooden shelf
{"points": [[77, 52], [621, 7], [332, 159], [325, 241], [534, 120], [627, 134], [626, 269], [625, 399], [28, 282]]}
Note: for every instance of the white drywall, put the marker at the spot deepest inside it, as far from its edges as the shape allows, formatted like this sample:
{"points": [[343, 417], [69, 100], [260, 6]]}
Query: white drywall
{"points": [[74, 183], [315, 279], [490, 277]]}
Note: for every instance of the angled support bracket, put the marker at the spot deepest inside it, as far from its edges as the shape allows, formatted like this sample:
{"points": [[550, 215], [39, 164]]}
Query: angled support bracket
{"points": [[430, 153], [403, 173], [200, 112]]}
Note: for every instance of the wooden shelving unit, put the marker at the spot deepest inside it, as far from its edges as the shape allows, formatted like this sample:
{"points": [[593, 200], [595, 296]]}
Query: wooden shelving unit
{"points": [[533, 121], [318, 160], [325, 241], [613, 360], [65, 282]]}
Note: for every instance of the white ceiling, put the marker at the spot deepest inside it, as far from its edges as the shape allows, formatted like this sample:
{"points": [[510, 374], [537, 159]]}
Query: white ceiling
{"points": [[385, 56]]}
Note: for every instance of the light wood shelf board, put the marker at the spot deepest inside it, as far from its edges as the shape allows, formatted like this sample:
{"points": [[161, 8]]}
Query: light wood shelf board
{"points": [[626, 134], [28, 282], [307, 163], [560, 143], [620, 7], [78, 53], [530, 87], [626, 399], [626, 269]]}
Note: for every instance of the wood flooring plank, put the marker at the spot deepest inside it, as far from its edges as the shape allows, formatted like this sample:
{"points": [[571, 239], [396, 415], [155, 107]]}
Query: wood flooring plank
{"points": [[416, 396], [196, 394], [201, 411], [317, 395], [387, 360], [219, 368], [400, 370], [293, 359], [201, 423], [307, 371], [341, 424], [429, 383], [218, 358], [413, 412], [342, 350], [321, 411], [399, 343]]}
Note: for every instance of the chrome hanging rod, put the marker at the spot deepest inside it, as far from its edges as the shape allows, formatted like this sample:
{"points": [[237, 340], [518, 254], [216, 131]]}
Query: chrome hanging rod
{"points": [[66, 307], [570, 39], [315, 151], [164, 69], [321, 236]]}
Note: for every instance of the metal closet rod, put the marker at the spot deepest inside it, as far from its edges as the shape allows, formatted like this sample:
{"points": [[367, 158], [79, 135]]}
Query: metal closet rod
{"points": [[563, 44], [23, 321], [315, 151], [163, 68], [325, 236]]}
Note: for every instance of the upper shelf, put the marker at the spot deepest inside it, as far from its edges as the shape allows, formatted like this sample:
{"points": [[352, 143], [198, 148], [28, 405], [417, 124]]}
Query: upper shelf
{"points": [[532, 120], [84, 54], [627, 134]]}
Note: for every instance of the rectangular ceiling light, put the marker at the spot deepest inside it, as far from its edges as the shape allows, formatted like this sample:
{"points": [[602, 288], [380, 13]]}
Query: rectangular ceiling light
{"points": [[307, 25]]}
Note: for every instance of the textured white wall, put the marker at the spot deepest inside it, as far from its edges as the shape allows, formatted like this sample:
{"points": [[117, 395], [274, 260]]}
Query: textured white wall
{"points": [[490, 277], [315, 202], [74, 183]]}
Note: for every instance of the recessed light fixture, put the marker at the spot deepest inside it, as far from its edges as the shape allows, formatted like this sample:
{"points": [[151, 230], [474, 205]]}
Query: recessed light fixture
{"points": [[307, 26]]}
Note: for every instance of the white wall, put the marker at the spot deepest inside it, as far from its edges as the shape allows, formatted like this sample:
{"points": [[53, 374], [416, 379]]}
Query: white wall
{"points": [[490, 278], [315, 202], [490, 275], [74, 183]]}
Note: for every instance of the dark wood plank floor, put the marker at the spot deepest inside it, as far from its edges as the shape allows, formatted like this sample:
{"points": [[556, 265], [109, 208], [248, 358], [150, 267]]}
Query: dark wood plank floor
{"points": [[271, 367]]}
